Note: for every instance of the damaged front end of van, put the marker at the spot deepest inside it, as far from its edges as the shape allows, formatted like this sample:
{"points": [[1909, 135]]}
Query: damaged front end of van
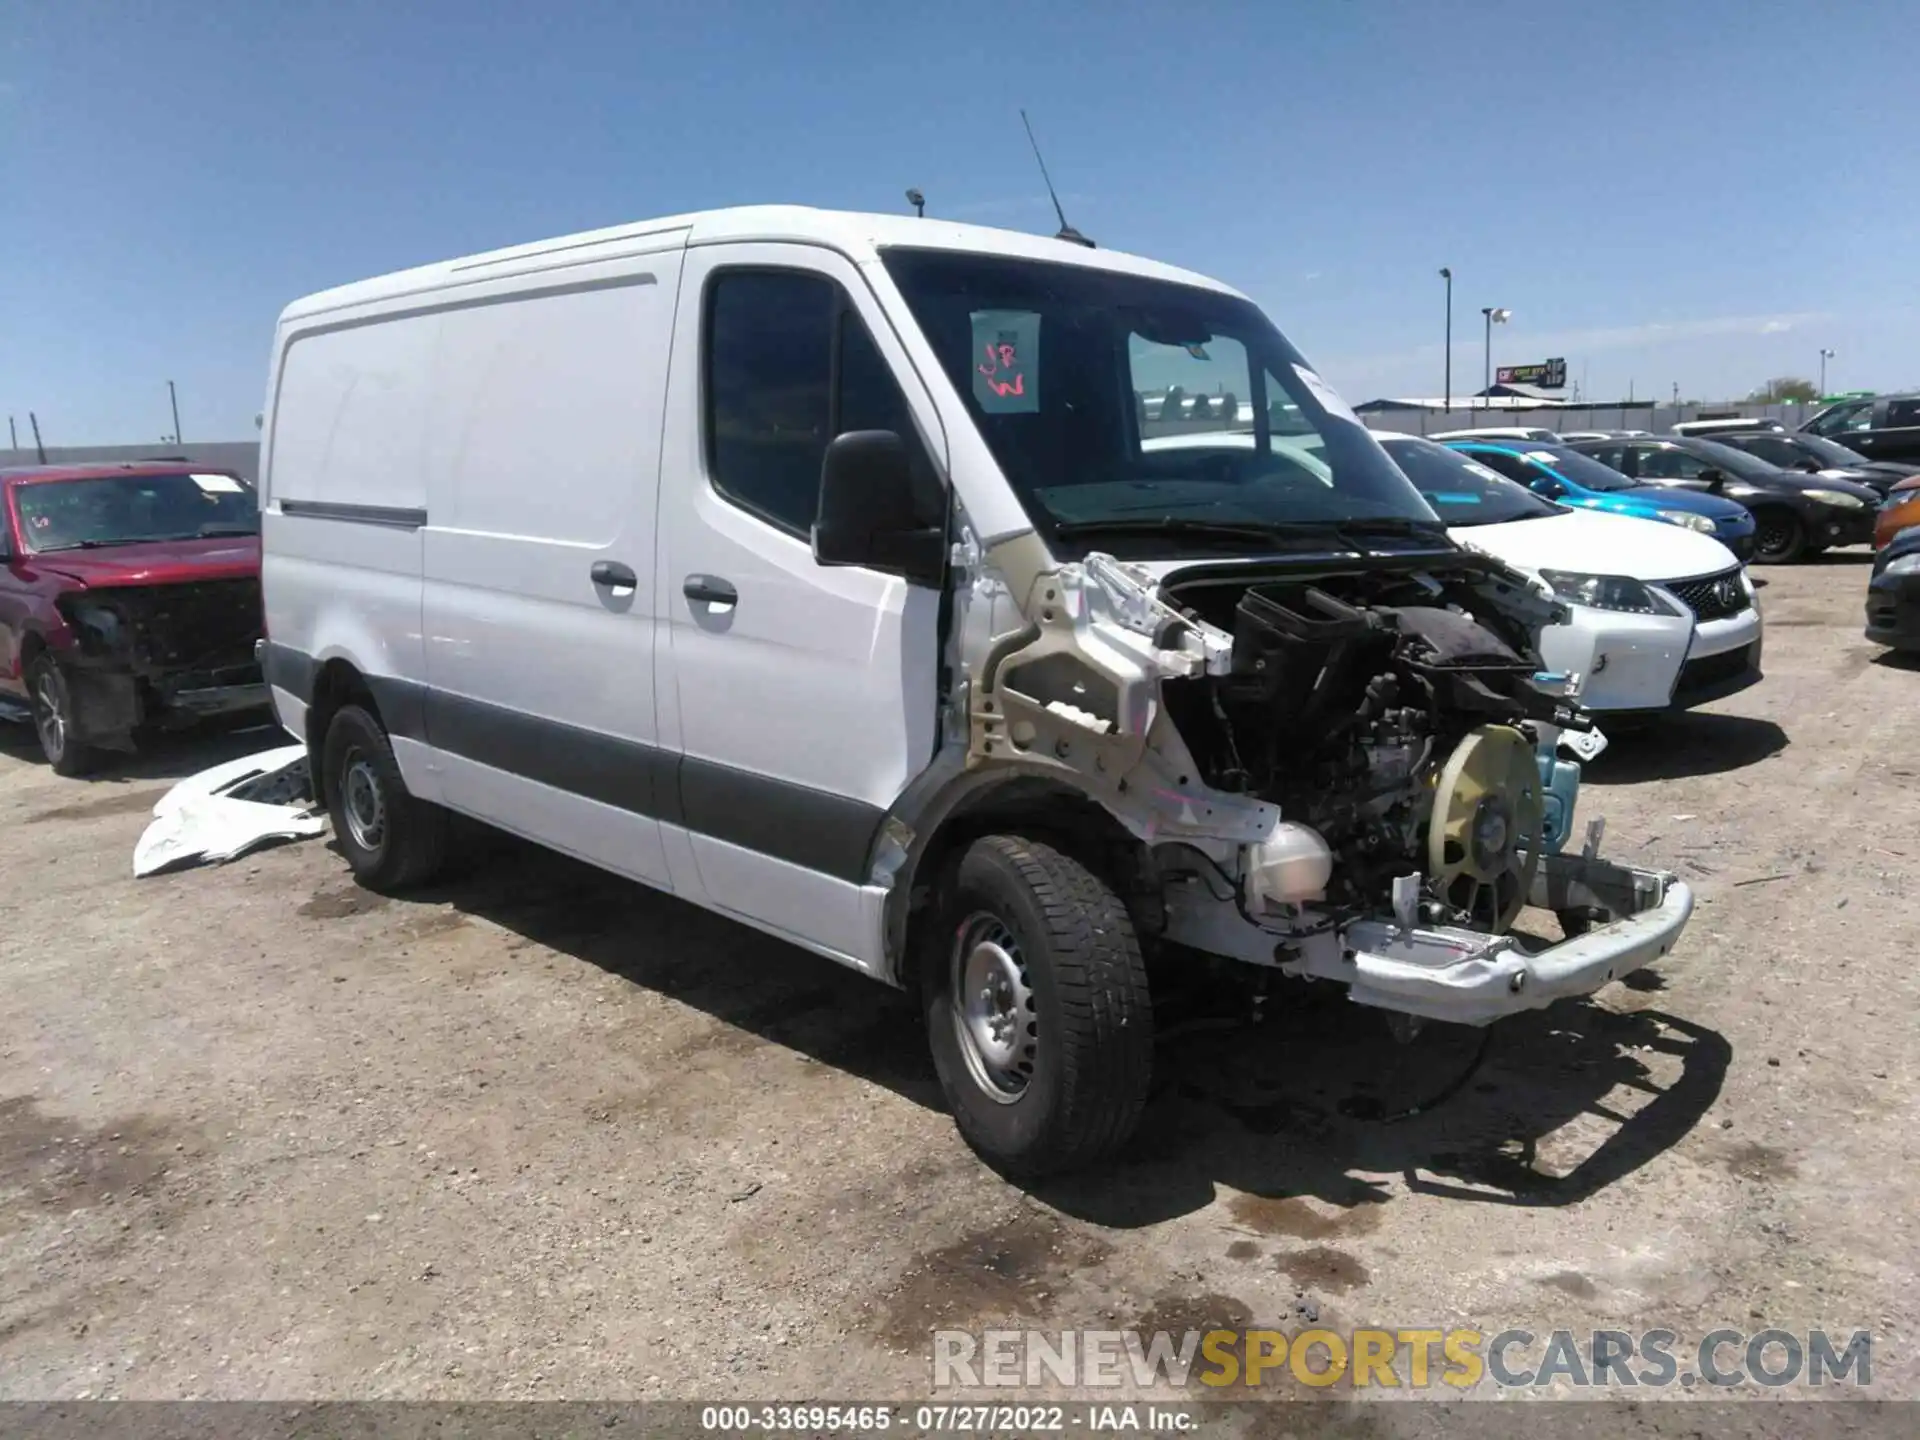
{"points": [[1342, 771]]}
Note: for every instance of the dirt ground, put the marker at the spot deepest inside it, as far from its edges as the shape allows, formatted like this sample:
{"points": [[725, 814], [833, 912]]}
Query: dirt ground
{"points": [[544, 1134]]}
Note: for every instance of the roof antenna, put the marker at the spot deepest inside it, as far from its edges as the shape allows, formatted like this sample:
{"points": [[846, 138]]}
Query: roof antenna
{"points": [[918, 202], [1067, 232]]}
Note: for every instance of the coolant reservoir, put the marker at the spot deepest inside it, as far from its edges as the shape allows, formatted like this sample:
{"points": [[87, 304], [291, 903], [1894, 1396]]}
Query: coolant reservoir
{"points": [[1290, 867]]}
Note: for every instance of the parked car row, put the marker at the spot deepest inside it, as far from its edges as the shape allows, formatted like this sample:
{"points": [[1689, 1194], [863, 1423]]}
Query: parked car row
{"points": [[1662, 616], [1792, 510], [1804, 491]]}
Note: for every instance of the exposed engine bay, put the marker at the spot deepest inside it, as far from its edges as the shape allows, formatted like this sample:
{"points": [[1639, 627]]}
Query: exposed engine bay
{"points": [[1394, 715], [1345, 770]]}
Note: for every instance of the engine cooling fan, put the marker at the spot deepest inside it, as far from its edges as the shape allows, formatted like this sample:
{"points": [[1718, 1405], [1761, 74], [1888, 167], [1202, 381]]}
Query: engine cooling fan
{"points": [[1483, 840]]}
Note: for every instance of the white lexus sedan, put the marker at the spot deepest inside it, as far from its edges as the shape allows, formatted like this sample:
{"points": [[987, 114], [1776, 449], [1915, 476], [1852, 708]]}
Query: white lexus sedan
{"points": [[1664, 617]]}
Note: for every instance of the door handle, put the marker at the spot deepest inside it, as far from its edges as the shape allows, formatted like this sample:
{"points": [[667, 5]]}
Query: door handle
{"points": [[710, 590], [614, 575]]}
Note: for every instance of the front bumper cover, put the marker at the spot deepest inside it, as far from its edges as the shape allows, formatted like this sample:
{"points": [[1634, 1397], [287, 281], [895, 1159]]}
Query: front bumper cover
{"points": [[1830, 525], [1893, 611], [1469, 978]]}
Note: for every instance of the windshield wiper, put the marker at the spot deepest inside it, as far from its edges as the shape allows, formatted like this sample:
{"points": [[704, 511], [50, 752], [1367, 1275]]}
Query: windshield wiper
{"points": [[1168, 525], [1351, 533], [1374, 525], [80, 545]]}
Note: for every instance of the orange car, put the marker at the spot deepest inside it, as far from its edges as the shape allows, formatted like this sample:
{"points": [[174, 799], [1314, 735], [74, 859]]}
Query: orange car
{"points": [[1900, 512]]}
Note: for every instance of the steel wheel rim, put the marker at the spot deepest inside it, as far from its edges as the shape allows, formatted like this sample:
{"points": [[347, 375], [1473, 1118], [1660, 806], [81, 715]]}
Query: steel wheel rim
{"points": [[50, 717], [994, 1016], [1775, 534], [362, 804]]}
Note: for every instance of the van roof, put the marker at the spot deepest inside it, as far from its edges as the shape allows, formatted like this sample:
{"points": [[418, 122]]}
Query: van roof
{"points": [[857, 235]]}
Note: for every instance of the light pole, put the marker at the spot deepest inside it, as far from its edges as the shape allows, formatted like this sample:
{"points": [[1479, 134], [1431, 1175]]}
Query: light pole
{"points": [[1825, 355], [174, 401], [1446, 385], [1495, 316]]}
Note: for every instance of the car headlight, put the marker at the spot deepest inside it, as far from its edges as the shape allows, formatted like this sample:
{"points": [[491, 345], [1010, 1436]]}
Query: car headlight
{"points": [[1839, 498], [1688, 519], [1904, 565], [1605, 592]]}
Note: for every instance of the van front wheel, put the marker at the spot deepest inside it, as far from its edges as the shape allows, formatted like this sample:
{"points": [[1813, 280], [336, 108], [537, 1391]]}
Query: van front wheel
{"points": [[391, 840], [1038, 1010]]}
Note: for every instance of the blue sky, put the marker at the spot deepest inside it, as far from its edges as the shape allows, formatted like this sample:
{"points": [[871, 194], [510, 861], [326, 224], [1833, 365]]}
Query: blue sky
{"points": [[1697, 192]]}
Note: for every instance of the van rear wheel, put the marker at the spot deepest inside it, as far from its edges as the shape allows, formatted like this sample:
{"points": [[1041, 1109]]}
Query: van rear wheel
{"points": [[1038, 1010], [391, 840]]}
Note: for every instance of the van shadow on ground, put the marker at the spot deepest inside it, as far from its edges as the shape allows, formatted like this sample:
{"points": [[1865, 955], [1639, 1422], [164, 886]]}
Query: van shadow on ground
{"points": [[1290, 1107], [1318, 1100]]}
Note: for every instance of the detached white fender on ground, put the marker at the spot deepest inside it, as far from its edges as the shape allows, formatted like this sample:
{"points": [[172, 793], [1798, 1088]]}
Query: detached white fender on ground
{"points": [[230, 809]]}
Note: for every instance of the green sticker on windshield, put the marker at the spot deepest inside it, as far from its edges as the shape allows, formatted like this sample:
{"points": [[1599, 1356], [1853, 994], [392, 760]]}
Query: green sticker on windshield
{"points": [[1006, 361]]}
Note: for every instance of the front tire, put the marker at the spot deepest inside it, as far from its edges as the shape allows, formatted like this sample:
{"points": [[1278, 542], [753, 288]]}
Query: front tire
{"points": [[1038, 1009], [53, 719], [391, 840], [1778, 537]]}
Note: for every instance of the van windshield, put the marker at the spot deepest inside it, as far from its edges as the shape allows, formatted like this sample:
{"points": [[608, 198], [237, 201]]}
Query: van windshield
{"points": [[1117, 404]]}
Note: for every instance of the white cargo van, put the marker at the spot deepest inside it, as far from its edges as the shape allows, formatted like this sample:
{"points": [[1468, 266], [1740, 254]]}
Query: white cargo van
{"points": [[828, 571]]}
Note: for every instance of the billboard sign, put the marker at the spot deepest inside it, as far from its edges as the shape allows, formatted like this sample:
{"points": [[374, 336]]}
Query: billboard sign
{"points": [[1547, 374]]}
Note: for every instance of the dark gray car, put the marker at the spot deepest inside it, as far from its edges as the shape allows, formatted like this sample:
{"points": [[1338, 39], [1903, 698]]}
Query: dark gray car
{"points": [[1818, 455], [1882, 427], [1794, 513]]}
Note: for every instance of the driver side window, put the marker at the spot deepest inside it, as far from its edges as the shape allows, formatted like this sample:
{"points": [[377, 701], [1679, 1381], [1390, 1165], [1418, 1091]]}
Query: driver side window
{"points": [[1669, 465], [789, 366], [1845, 419]]}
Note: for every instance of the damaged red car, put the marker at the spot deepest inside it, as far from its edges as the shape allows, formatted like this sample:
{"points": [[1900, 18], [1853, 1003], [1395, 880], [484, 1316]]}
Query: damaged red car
{"points": [[129, 601]]}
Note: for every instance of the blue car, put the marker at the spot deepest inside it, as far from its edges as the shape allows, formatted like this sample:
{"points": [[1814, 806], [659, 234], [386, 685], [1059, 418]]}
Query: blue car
{"points": [[1565, 475]]}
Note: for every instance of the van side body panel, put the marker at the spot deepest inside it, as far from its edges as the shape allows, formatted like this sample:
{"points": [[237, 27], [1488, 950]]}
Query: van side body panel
{"points": [[343, 498], [543, 465]]}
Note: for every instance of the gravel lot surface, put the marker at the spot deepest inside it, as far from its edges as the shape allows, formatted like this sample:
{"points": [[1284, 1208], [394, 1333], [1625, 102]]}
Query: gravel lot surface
{"points": [[543, 1134]]}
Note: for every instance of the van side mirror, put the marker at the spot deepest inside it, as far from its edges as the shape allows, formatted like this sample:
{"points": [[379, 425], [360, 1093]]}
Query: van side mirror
{"points": [[867, 514]]}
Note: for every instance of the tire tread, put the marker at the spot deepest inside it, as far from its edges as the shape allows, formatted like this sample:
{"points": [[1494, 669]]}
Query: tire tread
{"points": [[1100, 981], [416, 848]]}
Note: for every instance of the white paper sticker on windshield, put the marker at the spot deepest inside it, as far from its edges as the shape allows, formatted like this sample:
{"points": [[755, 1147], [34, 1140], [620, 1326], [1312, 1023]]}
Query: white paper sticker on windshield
{"points": [[1326, 394], [217, 484], [1543, 457], [1006, 361]]}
